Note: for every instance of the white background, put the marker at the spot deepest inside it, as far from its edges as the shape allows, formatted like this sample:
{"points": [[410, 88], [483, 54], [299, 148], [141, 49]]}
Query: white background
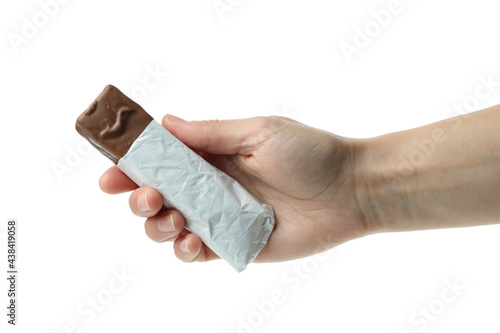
{"points": [[260, 58]]}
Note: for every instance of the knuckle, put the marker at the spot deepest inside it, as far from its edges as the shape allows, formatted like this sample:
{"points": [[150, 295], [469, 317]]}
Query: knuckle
{"points": [[209, 127]]}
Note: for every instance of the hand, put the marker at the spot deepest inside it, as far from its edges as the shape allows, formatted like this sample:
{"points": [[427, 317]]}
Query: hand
{"points": [[305, 174]]}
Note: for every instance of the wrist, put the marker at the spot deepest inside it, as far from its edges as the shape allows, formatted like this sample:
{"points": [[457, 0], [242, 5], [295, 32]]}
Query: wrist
{"points": [[380, 191]]}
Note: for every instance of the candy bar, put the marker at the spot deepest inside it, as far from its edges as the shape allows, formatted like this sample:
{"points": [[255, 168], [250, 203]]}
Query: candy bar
{"points": [[228, 219]]}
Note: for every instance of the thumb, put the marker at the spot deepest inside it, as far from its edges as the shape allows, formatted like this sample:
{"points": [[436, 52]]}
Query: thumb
{"points": [[238, 136]]}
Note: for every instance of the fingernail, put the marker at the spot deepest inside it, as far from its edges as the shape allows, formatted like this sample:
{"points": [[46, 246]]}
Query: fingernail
{"points": [[174, 118], [167, 224], [142, 202], [184, 246]]}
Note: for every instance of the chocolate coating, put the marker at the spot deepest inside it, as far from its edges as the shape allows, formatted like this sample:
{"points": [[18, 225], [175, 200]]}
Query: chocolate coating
{"points": [[112, 123]]}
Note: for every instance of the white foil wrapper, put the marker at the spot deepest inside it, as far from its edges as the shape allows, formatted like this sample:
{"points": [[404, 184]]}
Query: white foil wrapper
{"points": [[227, 218]]}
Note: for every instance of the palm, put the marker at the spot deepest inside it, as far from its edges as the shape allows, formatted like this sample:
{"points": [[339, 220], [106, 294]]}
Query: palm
{"points": [[306, 184]]}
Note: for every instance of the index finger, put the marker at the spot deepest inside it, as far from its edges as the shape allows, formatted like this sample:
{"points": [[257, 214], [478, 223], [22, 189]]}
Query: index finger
{"points": [[114, 181]]}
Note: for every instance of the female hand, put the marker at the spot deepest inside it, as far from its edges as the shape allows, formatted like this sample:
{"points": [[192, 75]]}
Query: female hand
{"points": [[305, 174]]}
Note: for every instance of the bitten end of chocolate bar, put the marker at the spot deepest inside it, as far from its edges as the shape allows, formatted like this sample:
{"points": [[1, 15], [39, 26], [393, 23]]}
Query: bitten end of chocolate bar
{"points": [[112, 123]]}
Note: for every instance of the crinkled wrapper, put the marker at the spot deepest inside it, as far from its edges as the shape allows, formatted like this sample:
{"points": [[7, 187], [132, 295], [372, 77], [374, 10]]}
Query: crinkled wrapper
{"points": [[229, 220]]}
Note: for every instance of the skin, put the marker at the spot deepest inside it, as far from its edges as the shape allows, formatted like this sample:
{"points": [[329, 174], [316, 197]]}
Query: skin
{"points": [[326, 189]]}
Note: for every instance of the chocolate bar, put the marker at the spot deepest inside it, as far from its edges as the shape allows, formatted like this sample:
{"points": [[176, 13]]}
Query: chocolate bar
{"points": [[112, 123], [228, 219]]}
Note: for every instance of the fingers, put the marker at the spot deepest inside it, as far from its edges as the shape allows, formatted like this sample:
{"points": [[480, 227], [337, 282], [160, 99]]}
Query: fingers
{"points": [[114, 181], [226, 137], [145, 202], [240, 136], [167, 225], [190, 248]]}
